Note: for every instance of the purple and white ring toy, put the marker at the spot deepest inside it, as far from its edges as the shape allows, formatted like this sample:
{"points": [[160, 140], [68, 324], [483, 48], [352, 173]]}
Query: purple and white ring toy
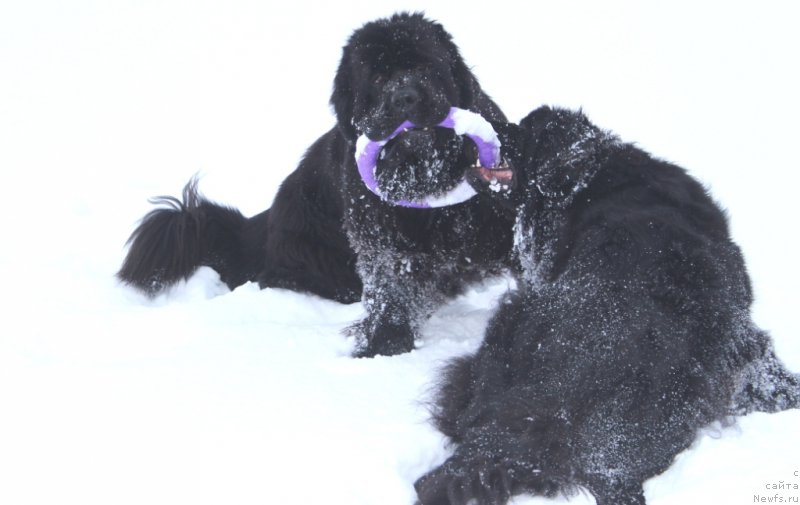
{"points": [[463, 122]]}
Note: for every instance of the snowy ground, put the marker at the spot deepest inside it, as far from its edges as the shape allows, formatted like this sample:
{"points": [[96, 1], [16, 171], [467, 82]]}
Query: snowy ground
{"points": [[204, 396]]}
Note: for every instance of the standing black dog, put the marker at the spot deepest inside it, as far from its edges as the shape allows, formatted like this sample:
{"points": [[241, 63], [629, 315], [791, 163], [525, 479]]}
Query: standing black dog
{"points": [[325, 232], [629, 332]]}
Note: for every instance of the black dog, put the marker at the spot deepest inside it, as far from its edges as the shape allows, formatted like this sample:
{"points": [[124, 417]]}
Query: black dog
{"points": [[325, 232], [629, 332]]}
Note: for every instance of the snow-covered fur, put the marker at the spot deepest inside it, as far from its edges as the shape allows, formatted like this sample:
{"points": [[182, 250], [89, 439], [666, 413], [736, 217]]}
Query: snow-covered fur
{"points": [[411, 260], [630, 329], [326, 232]]}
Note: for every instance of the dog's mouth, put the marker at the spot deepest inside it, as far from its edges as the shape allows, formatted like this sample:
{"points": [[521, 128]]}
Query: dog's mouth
{"points": [[500, 183], [500, 176], [423, 162], [427, 167]]}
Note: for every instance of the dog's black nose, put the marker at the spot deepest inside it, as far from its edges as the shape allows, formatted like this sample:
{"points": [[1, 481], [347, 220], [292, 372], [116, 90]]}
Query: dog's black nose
{"points": [[405, 99]]}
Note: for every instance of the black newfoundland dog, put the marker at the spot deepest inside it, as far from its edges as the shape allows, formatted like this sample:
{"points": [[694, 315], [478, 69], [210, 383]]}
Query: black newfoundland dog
{"points": [[326, 233], [629, 332]]}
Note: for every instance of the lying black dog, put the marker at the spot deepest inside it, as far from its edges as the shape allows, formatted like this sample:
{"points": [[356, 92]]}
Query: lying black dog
{"points": [[629, 332], [325, 232]]}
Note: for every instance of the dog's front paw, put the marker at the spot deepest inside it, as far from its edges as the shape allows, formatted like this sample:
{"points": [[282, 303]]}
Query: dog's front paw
{"points": [[455, 483], [381, 338]]}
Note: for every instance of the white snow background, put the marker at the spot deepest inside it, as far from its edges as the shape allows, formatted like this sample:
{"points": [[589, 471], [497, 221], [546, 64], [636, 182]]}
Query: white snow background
{"points": [[204, 396]]}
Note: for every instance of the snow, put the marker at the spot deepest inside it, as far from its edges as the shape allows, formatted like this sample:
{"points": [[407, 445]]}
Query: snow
{"points": [[481, 132], [206, 396]]}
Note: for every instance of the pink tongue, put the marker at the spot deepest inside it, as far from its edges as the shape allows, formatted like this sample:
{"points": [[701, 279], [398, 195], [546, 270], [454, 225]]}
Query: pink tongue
{"points": [[496, 174]]}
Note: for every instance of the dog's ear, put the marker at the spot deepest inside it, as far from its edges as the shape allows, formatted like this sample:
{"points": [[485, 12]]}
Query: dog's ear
{"points": [[343, 97], [467, 84], [470, 94], [468, 87], [565, 151]]}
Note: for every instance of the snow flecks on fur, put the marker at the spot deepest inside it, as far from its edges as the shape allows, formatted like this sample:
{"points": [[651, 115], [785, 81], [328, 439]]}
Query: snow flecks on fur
{"points": [[629, 333], [108, 397]]}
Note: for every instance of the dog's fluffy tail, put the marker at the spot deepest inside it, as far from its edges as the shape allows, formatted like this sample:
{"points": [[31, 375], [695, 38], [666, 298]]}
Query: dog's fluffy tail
{"points": [[172, 241]]}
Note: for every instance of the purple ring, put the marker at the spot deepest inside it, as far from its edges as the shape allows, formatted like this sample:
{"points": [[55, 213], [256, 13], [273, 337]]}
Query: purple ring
{"points": [[464, 122]]}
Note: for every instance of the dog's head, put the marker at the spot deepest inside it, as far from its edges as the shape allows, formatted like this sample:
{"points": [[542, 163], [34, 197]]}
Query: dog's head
{"points": [[406, 68], [550, 157]]}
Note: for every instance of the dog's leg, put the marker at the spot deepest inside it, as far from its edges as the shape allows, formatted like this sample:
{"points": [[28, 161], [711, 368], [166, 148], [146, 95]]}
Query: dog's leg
{"points": [[399, 294], [506, 451], [454, 483], [377, 336], [387, 329]]}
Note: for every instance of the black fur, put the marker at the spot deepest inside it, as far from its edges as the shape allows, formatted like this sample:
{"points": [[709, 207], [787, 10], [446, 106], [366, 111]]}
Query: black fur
{"points": [[172, 241], [325, 232], [630, 329]]}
